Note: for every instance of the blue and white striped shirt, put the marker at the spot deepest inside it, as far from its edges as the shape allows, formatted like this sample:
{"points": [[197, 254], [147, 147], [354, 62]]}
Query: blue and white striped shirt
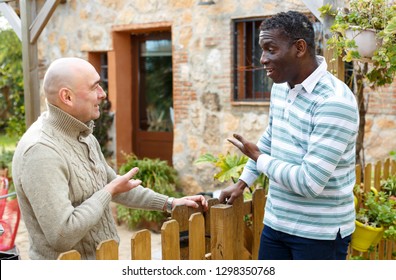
{"points": [[309, 156]]}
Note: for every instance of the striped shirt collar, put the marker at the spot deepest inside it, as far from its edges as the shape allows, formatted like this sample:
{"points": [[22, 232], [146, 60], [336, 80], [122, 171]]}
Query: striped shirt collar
{"points": [[310, 82]]}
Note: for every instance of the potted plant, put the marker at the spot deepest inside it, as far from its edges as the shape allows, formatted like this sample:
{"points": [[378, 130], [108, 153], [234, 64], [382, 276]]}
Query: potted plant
{"points": [[376, 71], [374, 17], [375, 219]]}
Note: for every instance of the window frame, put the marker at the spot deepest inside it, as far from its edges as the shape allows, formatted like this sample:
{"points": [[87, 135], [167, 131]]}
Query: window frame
{"points": [[244, 79]]}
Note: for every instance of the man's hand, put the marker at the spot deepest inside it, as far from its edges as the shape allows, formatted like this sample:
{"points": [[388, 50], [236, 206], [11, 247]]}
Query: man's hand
{"points": [[230, 193], [193, 201], [248, 148], [123, 183]]}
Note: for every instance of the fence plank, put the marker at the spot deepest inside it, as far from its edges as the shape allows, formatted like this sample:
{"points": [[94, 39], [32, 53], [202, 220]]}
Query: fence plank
{"points": [[238, 230], [196, 237], [386, 168], [70, 255], [367, 177], [107, 250], [221, 226], [358, 174], [258, 203], [141, 245], [170, 240], [390, 247], [377, 175]]}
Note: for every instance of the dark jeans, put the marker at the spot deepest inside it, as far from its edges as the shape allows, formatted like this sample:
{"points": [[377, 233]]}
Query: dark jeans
{"points": [[276, 245]]}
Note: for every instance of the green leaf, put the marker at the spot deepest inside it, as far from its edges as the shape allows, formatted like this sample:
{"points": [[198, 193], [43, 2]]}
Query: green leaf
{"points": [[206, 158]]}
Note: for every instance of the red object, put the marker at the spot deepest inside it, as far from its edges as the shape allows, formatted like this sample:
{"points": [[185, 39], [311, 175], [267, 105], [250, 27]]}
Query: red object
{"points": [[9, 219]]}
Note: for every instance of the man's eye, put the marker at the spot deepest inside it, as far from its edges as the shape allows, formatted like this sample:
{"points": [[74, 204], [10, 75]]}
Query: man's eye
{"points": [[102, 85]]}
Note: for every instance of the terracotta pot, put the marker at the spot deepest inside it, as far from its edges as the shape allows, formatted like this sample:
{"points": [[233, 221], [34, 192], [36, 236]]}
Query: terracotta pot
{"points": [[365, 236]]}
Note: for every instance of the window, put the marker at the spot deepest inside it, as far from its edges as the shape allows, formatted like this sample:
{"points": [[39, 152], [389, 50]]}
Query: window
{"points": [[251, 83], [155, 82], [103, 71], [250, 80]]}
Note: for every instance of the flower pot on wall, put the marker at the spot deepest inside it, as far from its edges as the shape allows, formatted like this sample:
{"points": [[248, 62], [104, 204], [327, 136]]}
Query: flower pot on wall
{"points": [[365, 236], [366, 41]]}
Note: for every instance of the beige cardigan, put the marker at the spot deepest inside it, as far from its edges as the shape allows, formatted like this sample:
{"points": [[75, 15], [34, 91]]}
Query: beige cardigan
{"points": [[59, 173]]}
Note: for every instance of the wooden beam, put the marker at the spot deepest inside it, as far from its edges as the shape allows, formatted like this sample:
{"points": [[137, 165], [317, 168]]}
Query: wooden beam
{"points": [[313, 6], [42, 18], [12, 17], [32, 23], [29, 64]]}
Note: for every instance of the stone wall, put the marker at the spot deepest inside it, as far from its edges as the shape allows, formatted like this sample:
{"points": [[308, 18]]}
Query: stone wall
{"points": [[202, 55]]}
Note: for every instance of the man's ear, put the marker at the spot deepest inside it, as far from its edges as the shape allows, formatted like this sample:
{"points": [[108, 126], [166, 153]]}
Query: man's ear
{"points": [[66, 96], [301, 47]]}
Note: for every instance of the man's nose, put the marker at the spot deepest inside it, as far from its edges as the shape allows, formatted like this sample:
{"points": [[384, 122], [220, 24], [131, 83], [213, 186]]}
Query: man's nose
{"points": [[263, 59], [102, 93]]}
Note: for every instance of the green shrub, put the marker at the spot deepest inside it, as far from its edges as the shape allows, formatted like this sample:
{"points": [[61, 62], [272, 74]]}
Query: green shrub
{"points": [[155, 174], [6, 164], [389, 185], [12, 108]]}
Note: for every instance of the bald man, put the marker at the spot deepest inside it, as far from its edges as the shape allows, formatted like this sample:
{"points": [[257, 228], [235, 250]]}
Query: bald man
{"points": [[62, 180]]}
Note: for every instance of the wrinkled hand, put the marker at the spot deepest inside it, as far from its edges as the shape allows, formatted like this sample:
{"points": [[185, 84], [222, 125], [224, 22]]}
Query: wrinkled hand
{"points": [[194, 201], [123, 183], [248, 148], [230, 193]]}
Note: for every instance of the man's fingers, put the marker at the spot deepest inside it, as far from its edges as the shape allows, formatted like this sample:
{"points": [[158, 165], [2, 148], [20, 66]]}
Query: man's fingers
{"points": [[132, 173], [235, 143], [239, 138]]}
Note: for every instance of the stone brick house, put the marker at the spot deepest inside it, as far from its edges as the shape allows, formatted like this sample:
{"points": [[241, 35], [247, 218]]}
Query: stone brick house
{"points": [[201, 63]]}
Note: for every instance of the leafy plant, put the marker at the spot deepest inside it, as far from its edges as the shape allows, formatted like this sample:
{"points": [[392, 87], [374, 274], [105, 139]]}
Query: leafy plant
{"points": [[230, 168], [378, 210], [5, 166], [393, 155], [12, 109], [102, 126], [155, 174], [376, 15], [389, 185]]}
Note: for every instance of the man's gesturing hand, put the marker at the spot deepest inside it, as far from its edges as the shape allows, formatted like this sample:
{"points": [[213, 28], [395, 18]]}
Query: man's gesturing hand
{"points": [[123, 183], [248, 148]]}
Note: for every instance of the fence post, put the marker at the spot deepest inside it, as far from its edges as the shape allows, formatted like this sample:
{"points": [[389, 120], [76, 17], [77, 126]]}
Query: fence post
{"points": [[170, 240], [258, 203], [70, 255], [196, 237], [221, 229], [239, 229], [107, 250], [141, 245]]}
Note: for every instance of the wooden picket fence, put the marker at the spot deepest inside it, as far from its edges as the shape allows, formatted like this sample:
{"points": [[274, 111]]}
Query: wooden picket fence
{"points": [[371, 176], [227, 232], [224, 232]]}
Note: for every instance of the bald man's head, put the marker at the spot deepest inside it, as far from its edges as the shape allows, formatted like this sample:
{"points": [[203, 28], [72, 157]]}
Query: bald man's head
{"points": [[73, 85], [63, 73]]}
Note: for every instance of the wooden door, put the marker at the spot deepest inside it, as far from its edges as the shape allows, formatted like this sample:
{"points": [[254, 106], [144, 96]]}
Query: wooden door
{"points": [[152, 95]]}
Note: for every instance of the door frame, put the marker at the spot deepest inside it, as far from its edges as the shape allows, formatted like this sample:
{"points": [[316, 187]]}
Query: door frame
{"points": [[120, 83]]}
